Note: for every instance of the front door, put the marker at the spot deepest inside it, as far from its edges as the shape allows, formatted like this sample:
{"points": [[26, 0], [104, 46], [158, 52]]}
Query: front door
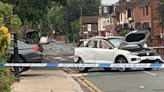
{"points": [[104, 52]]}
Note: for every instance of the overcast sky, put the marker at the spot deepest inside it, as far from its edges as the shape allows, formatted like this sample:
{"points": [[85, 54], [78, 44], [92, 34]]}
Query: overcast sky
{"points": [[109, 1]]}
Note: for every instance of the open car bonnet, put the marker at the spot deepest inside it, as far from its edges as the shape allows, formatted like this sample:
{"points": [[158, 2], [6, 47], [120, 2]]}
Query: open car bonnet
{"points": [[137, 37]]}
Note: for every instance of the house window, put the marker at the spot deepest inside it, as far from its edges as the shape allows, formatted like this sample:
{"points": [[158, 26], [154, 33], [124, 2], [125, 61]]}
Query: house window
{"points": [[129, 13], [138, 26], [146, 25], [143, 11], [89, 27], [105, 10], [147, 10], [121, 16]]}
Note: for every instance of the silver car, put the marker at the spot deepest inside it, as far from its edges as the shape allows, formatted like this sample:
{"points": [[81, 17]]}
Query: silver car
{"points": [[27, 54]]}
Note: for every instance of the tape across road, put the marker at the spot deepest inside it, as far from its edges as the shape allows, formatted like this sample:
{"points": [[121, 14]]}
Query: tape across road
{"points": [[101, 65]]}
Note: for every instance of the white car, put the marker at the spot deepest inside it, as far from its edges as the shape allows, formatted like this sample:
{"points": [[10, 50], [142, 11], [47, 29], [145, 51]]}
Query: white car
{"points": [[116, 49]]}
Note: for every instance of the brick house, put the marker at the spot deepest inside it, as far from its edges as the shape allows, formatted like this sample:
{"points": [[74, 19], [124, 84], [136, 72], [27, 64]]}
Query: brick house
{"points": [[146, 16], [124, 11], [89, 26], [107, 25], [107, 20]]}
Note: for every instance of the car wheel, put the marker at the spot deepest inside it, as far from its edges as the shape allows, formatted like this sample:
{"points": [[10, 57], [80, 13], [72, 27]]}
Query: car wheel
{"points": [[21, 69], [122, 60], [156, 62], [26, 68], [82, 69]]}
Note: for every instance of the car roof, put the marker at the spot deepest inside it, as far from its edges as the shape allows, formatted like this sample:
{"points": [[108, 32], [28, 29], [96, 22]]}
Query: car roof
{"points": [[107, 37], [102, 37]]}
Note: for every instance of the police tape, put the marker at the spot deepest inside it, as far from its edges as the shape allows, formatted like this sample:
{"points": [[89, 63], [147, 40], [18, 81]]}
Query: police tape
{"points": [[89, 65]]}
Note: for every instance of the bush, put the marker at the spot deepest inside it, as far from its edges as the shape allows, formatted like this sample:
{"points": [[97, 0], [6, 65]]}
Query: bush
{"points": [[13, 21], [6, 77]]}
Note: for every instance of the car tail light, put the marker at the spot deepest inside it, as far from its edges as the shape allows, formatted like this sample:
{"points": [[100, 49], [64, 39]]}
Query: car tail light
{"points": [[36, 48]]}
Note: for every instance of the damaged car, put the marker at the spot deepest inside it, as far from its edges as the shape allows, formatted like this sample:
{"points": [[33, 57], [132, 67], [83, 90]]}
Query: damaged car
{"points": [[116, 49]]}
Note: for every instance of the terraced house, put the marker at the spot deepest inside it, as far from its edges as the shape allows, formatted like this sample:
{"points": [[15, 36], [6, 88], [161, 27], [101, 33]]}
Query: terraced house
{"points": [[145, 15], [132, 14]]}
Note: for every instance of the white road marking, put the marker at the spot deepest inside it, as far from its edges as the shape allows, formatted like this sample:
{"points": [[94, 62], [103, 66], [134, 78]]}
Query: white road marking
{"points": [[141, 87], [57, 57], [83, 74], [63, 59], [150, 73], [70, 56]]}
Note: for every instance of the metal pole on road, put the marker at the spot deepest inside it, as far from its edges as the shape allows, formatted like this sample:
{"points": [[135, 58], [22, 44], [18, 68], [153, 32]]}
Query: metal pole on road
{"points": [[16, 56], [16, 53]]}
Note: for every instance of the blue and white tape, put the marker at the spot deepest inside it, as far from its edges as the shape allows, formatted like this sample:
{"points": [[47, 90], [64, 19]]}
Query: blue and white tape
{"points": [[101, 65]]}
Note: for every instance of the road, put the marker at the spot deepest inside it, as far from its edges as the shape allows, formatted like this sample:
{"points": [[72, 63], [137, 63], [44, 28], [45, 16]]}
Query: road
{"points": [[108, 81]]}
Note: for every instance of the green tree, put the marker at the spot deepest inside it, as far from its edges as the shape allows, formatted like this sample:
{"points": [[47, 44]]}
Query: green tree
{"points": [[56, 17], [75, 8], [58, 13], [33, 12], [90, 7], [6, 78], [15, 23], [75, 29]]}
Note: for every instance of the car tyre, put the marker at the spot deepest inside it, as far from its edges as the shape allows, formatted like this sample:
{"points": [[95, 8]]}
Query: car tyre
{"points": [[122, 60], [21, 69], [82, 69], [107, 69], [149, 69]]}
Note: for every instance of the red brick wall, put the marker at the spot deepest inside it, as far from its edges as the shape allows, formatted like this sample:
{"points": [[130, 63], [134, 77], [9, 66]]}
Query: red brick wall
{"points": [[155, 17], [138, 14]]}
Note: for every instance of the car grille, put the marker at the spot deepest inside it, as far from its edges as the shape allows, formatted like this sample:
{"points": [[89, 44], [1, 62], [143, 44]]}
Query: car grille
{"points": [[151, 61], [147, 54]]}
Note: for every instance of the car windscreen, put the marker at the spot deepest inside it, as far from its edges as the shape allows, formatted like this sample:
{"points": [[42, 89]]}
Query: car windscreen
{"points": [[116, 42]]}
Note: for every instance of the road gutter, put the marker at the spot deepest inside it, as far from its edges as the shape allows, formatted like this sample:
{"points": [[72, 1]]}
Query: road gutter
{"points": [[82, 80]]}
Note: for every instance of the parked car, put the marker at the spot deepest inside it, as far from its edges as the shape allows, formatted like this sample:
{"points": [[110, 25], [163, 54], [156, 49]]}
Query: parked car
{"points": [[116, 49], [27, 54]]}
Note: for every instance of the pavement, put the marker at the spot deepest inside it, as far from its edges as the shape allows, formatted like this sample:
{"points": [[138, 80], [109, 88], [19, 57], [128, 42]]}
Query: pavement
{"points": [[46, 81]]}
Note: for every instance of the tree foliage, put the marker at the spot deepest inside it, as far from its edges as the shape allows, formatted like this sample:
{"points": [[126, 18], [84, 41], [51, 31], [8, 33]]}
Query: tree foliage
{"points": [[15, 23], [57, 13], [75, 27], [90, 7], [6, 78], [56, 17], [32, 10], [63, 17]]}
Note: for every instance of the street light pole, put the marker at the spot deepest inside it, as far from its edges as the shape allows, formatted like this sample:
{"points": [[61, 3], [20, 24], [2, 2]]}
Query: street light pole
{"points": [[131, 26]]}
